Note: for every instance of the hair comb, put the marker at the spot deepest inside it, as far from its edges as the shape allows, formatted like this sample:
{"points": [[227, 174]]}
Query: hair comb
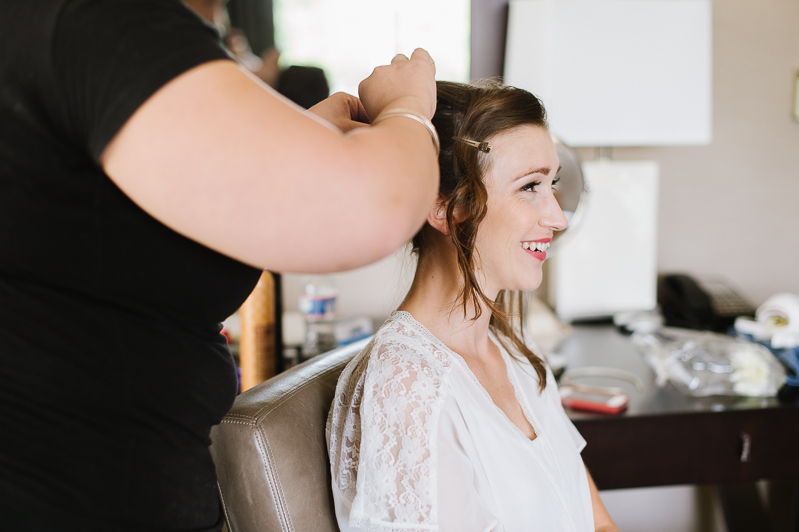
{"points": [[484, 147]]}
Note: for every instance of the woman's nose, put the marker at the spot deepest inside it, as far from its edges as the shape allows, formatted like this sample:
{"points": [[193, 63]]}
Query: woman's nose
{"points": [[554, 218]]}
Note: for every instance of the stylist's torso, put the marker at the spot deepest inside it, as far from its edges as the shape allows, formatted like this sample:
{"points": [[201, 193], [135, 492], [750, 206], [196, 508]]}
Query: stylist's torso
{"points": [[109, 319], [145, 181]]}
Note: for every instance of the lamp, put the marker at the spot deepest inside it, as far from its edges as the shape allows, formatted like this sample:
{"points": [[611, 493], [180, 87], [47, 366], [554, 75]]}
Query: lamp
{"points": [[614, 73]]}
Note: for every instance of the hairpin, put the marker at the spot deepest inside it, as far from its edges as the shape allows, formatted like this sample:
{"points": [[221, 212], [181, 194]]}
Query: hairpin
{"points": [[484, 147]]}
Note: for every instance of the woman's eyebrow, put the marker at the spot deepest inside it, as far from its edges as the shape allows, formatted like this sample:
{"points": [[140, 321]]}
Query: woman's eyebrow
{"points": [[542, 170]]}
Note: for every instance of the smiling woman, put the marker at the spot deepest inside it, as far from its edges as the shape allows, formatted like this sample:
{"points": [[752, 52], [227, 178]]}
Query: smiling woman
{"points": [[447, 420]]}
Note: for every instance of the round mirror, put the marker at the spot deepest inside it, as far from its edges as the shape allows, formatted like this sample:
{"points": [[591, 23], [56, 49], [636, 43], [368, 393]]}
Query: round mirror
{"points": [[571, 192]]}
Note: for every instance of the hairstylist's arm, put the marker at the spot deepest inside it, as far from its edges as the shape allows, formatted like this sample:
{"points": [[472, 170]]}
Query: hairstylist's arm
{"points": [[222, 159], [602, 520]]}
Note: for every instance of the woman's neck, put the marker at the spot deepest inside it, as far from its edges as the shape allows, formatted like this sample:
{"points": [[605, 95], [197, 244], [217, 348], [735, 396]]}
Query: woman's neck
{"points": [[434, 301]]}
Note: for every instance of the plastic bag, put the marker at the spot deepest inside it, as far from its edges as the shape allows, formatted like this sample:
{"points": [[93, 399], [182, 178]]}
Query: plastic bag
{"points": [[701, 363]]}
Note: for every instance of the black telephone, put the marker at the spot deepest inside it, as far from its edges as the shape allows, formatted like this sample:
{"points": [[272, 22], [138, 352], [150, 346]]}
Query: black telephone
{"points": [[689, 303]]}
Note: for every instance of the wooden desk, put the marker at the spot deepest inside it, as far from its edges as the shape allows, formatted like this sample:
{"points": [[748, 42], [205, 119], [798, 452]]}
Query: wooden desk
{"points": [[667, 438]]}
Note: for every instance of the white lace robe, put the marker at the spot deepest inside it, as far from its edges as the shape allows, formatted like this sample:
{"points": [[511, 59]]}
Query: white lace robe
{"points": [[417, 444]]}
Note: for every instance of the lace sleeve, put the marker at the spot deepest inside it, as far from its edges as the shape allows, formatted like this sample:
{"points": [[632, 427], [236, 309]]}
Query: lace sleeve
{"points": [[383, 435]]}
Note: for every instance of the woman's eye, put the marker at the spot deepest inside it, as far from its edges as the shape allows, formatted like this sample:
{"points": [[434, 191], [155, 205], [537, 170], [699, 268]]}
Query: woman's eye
{"points": [[555, 183], [531, 186]]}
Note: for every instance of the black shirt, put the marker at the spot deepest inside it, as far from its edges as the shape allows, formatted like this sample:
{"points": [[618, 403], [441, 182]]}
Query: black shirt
{"points": [[112, 368]]}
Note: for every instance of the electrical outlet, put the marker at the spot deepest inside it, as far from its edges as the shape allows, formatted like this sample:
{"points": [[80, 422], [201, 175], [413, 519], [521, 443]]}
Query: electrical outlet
{"points": [[796, 97]]}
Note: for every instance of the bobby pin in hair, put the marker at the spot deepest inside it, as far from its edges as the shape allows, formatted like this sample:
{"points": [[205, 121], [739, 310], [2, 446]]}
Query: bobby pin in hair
{"points": [[484, 147]]}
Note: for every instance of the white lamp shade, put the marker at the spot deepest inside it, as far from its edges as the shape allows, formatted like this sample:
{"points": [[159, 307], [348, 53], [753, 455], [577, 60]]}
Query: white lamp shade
{"points": [[616, 72], [610, 263]]}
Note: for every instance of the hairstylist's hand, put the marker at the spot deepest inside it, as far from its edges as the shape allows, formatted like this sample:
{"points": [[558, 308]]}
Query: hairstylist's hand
{"points": [[342, 110], [406, 83]]}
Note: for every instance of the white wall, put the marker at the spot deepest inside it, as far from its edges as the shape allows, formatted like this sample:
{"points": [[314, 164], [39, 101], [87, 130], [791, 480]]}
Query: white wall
{"points": [[732, 208], [666, 509], [372, 291]]}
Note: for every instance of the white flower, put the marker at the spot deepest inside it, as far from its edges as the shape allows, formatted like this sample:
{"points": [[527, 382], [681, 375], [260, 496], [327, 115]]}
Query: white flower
{"points": [[750, 374]]}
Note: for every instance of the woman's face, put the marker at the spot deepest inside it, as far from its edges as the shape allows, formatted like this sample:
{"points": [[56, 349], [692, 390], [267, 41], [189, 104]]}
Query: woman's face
{"points": [[522, 211]]}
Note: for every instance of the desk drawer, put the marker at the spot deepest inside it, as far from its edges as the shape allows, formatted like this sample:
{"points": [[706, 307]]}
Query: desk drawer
{"points": [[692, 448]]}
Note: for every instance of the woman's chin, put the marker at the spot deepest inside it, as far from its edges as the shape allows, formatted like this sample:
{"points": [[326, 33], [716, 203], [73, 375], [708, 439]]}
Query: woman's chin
{"points": [[528, 285]]}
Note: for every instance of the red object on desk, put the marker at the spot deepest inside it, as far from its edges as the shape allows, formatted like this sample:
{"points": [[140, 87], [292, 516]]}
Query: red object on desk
{"points": [[593, 400]]}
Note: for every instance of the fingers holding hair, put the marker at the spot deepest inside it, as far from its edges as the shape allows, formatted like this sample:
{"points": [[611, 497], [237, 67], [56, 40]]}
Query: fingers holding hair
{"points": [[405, 83]]}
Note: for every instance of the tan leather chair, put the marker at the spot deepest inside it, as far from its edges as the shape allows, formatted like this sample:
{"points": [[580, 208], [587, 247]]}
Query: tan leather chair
{"points": [[270, 452]]}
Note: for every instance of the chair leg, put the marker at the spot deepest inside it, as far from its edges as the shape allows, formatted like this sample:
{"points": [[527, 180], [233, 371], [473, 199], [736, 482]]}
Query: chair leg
{"points": [[743, 509]]}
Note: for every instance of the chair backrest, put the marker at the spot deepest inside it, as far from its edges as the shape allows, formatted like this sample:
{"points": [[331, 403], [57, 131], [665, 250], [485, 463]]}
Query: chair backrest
{"points": [[270, 451]]}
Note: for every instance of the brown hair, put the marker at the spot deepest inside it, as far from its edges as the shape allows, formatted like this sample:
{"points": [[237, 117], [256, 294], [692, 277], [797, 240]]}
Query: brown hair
{"points": [[477, 112]]}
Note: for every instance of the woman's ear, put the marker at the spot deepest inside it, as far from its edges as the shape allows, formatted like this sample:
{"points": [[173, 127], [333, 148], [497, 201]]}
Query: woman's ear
{"points": [[437, 217]]}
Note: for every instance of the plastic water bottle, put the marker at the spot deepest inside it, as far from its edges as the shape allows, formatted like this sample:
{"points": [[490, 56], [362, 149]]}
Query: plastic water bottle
{"points": [[318, 304]]}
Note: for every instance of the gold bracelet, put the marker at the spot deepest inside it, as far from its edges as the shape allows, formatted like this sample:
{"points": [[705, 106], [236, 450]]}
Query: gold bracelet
{"points": [[413, 115]]}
